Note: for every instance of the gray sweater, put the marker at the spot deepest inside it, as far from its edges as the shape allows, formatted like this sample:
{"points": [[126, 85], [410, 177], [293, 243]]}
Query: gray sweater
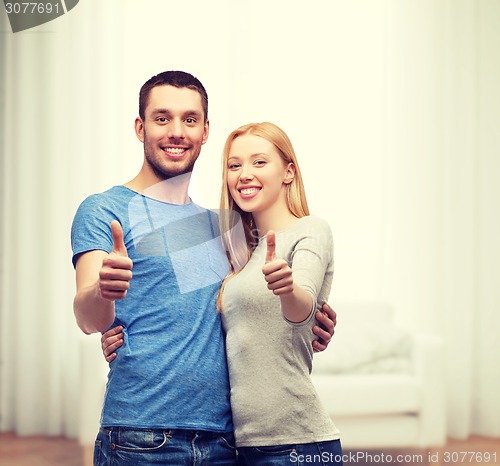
{"points": [[273, 400]]}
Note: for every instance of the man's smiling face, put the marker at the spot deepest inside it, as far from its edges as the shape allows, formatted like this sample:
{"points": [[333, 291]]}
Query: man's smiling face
{"points": [[173, 130]]}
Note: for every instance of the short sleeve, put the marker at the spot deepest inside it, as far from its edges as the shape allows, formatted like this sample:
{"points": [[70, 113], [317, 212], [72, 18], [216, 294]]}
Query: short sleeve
{"points": [[91, 228], [312, 257]]}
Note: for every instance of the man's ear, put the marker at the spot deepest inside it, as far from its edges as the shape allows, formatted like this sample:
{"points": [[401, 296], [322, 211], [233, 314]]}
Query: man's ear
{"points": [[205, 132], [290, 173], [139, 129]]}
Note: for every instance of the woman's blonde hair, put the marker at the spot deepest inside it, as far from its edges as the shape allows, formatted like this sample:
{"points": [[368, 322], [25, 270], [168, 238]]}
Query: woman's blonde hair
{"points": [[239, 251]]}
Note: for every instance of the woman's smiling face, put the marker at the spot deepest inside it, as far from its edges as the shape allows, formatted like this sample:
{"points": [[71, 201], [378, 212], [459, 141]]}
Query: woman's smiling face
{"points": [[256, 174]]}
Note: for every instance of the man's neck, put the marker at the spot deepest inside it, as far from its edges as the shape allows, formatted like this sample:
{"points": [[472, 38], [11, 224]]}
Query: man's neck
{"points": [[173, 190]]}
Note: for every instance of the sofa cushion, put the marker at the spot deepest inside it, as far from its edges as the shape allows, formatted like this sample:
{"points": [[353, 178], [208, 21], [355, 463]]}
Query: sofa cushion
{"points": [[365, 348], [368, 394]]}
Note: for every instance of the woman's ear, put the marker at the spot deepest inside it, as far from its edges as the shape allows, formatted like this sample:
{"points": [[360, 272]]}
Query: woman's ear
{"points": [[289, 173]]}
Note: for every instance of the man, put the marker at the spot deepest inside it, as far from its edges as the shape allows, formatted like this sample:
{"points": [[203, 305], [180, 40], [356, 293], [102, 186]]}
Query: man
{"points": [[167, 398]]}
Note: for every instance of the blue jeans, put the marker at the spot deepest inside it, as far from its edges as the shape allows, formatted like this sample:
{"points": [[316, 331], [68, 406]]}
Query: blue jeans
{"points": [[321, 453], [123, 446]]}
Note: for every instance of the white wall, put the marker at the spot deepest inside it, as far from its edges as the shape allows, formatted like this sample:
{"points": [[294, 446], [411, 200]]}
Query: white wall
{"points": [[392, 106]]}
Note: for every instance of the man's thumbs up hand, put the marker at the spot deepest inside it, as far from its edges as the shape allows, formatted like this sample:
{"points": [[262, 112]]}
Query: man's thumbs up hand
{"points": [[118, 243], [277, 272], [116, 270]]}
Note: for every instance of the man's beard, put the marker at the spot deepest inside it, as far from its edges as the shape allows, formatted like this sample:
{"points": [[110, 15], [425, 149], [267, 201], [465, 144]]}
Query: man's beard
{"points": [[160, 170], [165, 174]]}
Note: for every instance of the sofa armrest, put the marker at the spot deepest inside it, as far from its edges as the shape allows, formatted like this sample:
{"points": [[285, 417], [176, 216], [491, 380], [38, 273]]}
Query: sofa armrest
{"points": [[429, 367]]}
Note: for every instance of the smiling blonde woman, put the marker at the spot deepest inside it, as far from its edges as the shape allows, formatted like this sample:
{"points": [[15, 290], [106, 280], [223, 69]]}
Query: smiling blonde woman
{"points": [[268, 304]]}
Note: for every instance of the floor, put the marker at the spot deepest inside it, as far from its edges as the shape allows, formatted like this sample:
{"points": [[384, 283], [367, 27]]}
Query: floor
{"points": [[39, 451], [57, 451]]}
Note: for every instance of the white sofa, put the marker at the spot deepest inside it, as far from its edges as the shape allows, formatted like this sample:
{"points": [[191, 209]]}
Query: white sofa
{"points": [[382, 385]]}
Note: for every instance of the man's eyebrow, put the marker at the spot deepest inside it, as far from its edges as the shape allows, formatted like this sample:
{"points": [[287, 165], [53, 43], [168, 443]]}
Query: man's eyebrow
{"points": [[160, 111], [192, 113], [164, 111]]}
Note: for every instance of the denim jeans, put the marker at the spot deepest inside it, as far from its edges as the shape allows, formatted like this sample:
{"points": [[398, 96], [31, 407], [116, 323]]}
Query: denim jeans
{"points": [[321, 453], [123, 446]]}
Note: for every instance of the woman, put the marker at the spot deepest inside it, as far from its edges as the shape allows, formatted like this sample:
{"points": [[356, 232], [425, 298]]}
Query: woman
{"points": [[281, 274], [268, 306]]}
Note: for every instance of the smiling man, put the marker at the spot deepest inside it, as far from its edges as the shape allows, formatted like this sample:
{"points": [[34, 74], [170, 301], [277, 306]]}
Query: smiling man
{"points": [[150, 261]]}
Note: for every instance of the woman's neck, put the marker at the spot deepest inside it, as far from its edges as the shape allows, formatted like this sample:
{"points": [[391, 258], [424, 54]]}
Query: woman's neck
{"points": [[273, 219]]}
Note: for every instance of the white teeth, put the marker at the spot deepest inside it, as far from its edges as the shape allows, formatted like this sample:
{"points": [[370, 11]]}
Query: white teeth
{"points": [[248, 191], [174, 150]]}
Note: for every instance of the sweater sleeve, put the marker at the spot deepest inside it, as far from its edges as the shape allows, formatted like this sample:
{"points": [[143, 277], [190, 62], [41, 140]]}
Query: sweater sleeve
{"points": [[312, 258]]}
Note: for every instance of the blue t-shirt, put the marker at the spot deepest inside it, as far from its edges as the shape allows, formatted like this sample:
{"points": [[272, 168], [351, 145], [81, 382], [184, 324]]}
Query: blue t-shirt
{"points": [[171, 371]]}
